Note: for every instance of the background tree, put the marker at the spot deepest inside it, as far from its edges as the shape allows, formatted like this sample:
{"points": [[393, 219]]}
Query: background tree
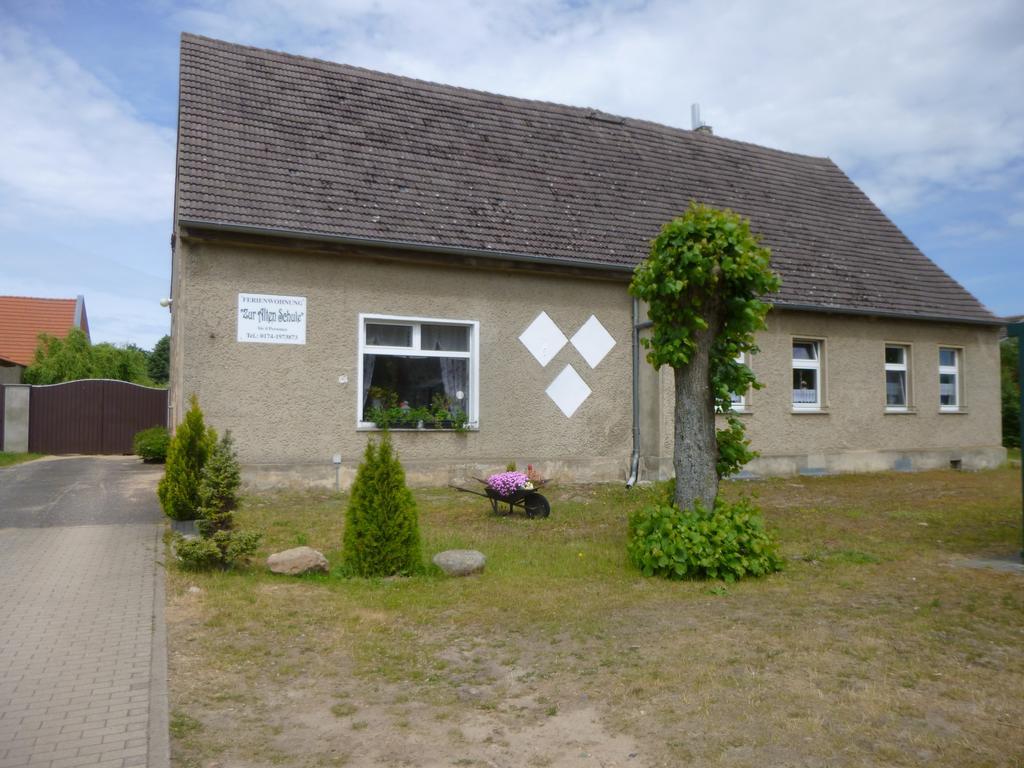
{"points": [[159, 362], [73, 357], [702, 282], [58, 360], [1009, 373], [127, 363]]}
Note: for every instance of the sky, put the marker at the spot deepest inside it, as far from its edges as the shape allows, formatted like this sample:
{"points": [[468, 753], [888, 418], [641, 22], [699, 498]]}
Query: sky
{"points": [[920, 103]]}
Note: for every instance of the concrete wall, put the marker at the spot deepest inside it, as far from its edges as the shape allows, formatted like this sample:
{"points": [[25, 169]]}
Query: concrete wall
{"points": [[10, 373], [16, 411], [290, 414]]}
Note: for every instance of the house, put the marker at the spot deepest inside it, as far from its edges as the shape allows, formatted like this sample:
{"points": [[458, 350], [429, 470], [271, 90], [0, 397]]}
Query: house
{"points": [[344, 238], [23, 318]]}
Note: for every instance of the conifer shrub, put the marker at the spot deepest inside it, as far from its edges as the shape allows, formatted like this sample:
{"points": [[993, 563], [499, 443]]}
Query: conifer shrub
{"points": [[218, 488], [219, 544], [151, 444], [382, 535], [728, 543], [186, 456], [222, 549], [199, 554]]}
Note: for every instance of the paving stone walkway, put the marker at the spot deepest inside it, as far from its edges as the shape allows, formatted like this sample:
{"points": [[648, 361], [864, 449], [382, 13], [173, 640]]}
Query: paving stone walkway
{"points": [[82, 654]]}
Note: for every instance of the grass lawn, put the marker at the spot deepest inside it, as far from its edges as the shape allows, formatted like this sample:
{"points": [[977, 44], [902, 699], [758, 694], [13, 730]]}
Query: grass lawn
{"points": [[7, 458], [874, 647], [1013, 454]]}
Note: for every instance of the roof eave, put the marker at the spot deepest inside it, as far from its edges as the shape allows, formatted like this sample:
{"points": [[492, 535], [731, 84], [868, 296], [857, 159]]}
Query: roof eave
{"points": [[936, 318], [455, 250], [401, 245]]}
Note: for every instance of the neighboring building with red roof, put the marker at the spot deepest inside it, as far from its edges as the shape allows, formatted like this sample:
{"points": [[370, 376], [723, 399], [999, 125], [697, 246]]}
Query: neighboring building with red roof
{"points": [[23, 318]]}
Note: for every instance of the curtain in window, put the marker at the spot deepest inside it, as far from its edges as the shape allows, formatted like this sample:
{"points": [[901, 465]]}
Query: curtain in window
{"points": [[368, 365], [947, 389], [444, 338], [805, 386], [895, 388], [455, 379]]}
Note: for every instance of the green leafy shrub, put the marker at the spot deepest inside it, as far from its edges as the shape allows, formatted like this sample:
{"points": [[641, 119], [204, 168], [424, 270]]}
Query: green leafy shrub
{"points": [[1010, 386], [186, 456], [218, 488], [729, 544], [151, 445], [382, 535], [224, 549]]}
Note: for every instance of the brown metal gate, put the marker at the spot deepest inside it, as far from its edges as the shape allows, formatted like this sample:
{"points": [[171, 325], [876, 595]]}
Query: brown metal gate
{"points": [[92, 416]]}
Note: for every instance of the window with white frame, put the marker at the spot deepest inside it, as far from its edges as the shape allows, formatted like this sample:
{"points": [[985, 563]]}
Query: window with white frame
{"points": [[739, 399], [949, 379], [897, 393], [418, 363], [806, 375]]}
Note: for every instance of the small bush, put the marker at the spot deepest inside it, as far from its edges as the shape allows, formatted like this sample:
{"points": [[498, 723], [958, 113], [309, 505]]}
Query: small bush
{"points": [[382, 535], [218, 488], [219, 545], [727, 544], [186, 456], [151, 444], [197, 554], [224, 549]]}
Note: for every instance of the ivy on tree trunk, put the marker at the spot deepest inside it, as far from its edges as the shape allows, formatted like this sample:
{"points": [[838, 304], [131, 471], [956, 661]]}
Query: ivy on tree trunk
{"points": [[702, 283]]}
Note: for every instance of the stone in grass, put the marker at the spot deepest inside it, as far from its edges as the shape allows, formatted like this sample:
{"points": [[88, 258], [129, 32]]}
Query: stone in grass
{"points": [[297, 561], [460, 562]]}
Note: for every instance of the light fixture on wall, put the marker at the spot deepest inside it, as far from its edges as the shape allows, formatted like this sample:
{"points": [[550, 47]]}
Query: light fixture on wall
{"points": [[166, 303]]}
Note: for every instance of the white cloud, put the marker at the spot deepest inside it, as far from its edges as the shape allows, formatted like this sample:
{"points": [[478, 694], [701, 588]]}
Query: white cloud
{"points": [[71, 146], [908, 97]]}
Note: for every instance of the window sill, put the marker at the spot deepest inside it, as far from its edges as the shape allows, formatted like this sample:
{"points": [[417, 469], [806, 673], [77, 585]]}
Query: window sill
{"points": [[809, 411], [952, 411], [901, 411], [374, 428]]}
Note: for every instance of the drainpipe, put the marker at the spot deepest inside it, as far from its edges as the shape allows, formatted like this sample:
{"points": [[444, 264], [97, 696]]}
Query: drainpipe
{"points": [[634, 461]]}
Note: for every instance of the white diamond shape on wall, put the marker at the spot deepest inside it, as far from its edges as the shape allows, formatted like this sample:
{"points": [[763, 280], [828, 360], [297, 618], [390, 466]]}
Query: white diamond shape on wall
{"points": [[543, 338], [593, 341], [568, 391]]}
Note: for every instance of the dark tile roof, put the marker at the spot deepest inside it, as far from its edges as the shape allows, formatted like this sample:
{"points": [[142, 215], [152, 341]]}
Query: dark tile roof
{"points": [[278, 141]]}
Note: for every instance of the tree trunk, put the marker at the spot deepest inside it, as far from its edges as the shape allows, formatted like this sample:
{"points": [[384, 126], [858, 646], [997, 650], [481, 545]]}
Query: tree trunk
{"points": [[695, 449]]}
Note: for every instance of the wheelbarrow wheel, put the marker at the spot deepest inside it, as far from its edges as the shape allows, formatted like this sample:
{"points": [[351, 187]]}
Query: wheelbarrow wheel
{"points": [[537, 506]]}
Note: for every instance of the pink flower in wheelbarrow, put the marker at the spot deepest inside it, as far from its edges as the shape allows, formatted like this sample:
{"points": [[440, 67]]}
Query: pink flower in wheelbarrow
{"points": [[507, 483]]}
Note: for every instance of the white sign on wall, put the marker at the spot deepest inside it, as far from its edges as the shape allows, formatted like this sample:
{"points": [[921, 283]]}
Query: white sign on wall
{"points": [[266, 319]]}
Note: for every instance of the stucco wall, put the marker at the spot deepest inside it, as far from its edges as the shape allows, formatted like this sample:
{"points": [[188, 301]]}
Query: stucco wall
{"points": [[286, 407], [290, 414]]}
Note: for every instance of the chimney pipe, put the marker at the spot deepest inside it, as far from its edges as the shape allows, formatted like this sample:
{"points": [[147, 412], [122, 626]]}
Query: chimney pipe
{"points": [[695, 121]]}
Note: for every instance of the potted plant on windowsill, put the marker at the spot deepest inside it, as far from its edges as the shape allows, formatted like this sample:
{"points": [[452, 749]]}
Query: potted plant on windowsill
{"points": [[443, 415], [397, 417]]}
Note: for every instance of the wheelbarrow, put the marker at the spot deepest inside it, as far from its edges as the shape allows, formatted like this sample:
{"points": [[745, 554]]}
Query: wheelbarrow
{"points": [[530, 500]]}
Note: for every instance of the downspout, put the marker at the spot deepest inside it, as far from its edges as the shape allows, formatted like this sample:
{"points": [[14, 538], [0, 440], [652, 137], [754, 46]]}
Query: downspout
{"points": [[634, 462]]}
